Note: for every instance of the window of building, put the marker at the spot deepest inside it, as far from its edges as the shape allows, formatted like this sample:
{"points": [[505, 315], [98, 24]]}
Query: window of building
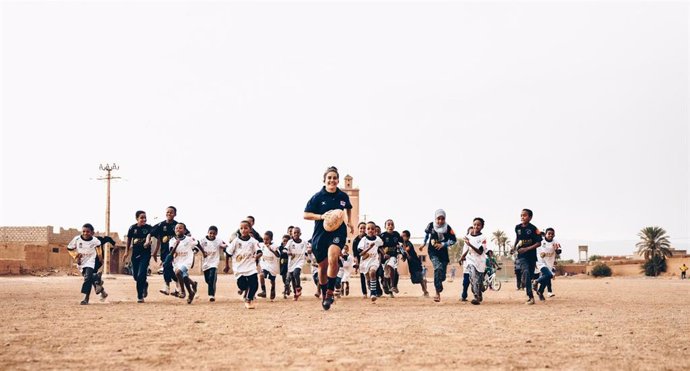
{"points": [[56, 250]]}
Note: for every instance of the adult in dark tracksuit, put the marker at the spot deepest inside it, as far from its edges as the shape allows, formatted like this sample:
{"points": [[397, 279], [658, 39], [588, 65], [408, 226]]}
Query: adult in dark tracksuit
{"points": [[527, 240], [138, 241], [328, 244], [163, 232], [439, 236]]}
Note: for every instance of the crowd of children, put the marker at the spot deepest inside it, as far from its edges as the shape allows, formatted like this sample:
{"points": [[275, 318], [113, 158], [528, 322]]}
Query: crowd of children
{"points": [[375, 255]]}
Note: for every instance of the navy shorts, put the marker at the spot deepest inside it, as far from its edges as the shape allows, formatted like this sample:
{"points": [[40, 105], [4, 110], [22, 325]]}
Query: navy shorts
{"points": [[416, 277], [321, 243], [268, 275]]}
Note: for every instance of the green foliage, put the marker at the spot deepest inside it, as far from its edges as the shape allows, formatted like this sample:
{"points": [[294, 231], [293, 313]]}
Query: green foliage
{"points": [[653, 242], [594, 258], [654, 266], [500, 239], [601, 270]]}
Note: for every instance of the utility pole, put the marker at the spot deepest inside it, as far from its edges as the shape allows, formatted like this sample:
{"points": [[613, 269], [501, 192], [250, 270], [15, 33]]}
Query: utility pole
{"points": [[106, 250]]}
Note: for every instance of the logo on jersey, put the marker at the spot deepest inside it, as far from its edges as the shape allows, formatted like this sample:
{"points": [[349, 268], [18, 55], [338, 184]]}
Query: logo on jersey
{"points": [[336, 240], [342, 203]]}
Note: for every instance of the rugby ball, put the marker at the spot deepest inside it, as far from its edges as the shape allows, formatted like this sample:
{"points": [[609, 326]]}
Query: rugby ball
{"points": [[333, 219]]}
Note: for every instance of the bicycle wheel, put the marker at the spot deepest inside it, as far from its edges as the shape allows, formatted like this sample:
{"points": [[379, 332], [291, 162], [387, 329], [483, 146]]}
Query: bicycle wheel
{"points": [[496, 284]]}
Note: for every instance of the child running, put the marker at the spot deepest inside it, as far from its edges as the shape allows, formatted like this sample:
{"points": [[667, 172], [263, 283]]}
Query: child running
{"points": [[297, 250], [546, 257], [391, 242], [369, 257], [527, 240], [85, 249], [361, 228], [270, 264], [413, 263], [284, 263], [476, 258], [440, 236], [211, 246], [347, 270], [139, 242], [244, 251], [182, 252]]}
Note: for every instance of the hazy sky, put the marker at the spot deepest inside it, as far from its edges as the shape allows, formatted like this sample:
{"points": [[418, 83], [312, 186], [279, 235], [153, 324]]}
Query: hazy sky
{"points": [[578, 110]]}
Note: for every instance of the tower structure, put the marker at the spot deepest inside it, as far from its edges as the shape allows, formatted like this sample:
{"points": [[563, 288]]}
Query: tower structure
{"points": [[353, 193]]}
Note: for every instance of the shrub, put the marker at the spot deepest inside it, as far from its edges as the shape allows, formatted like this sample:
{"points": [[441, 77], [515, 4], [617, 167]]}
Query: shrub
{"points": [[601, 270], [594, 258], [654, 266]]}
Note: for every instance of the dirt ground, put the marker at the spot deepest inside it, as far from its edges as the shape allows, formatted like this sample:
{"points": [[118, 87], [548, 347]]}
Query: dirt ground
{"points": [[616, 323]]}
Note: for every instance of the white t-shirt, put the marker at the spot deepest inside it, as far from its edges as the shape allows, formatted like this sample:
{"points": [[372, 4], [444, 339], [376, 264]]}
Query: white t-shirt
{"points": [[477, 260], [549, 250], [212, 249], [299, 249], [243, 252], [184, 254], [87, 249], [370, 258], [269, 261]]}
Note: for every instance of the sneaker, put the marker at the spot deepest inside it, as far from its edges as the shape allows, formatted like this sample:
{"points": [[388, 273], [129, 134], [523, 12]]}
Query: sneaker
{"points": [[298, 293], [395, 290], [285, 295], [84, 302], [437, 298], [191, 297], [317, 294], [273, 293], [551, 294], [530, 301], [475, 301], [391, 294], [262, 294], [426, 294], [98, 288], [328, 300], [373, 298], [541, 296], [212, 299], [240, 292], [103, 295], [463, 299], [165, 291], [178, 294], [249, 304], [140, 300]]}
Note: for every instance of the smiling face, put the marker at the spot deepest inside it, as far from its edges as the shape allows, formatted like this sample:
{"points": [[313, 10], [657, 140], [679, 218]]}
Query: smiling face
{"points": [[141, 219], [86, 233], [524, 217], [477, 225], [180, 229], [245, 228], [267, 240], [371, 230], [331, 181], [440, 219], [362, 229], [212, 233], [170, 214], [296, 233], [550, 234]]}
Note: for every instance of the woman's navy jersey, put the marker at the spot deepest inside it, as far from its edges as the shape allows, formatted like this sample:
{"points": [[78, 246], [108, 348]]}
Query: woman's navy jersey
{"points": [[138, 235], [320, 203], [449, 237]]}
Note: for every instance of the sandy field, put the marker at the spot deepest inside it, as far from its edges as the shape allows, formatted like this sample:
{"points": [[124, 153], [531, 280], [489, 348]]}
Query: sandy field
{"points": [[615, 323]]}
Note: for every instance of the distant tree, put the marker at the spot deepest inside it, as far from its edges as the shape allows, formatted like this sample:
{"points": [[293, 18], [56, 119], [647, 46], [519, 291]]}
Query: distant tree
{"points": [[594, 258], [654, 266], [654, 243], [455, 251], [500, 239], [601, 270]]}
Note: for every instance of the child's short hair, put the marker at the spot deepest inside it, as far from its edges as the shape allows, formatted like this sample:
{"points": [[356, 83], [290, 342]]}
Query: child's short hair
{"points": [[406, 233], [360, 223], [88, 226], [480, 220], [245, 221], [252, 218], [372, 223], [269, 234], [213, 228], [139, 212], [550, 229], [174, 208], [182, 224], [529, 212], [286, 236], [389, 220]]}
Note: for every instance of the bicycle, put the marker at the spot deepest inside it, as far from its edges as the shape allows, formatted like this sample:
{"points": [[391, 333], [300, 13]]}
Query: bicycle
{"points": [[491, 281]]}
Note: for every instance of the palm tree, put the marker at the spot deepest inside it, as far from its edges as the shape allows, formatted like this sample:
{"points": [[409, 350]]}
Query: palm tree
{"points": [[501, 240], [654, 243]]}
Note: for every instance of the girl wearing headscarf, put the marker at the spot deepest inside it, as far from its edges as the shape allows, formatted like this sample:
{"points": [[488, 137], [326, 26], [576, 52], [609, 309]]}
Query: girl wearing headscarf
{"points": [[439, 236]]}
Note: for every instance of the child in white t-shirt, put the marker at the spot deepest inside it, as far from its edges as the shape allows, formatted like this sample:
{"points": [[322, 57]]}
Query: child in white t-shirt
{"points": [[85, 249], [270, 263], [182, 252], [244, 251], [369, 257], [211, 247], [476, 258], [546, 259], [297, 256]]}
